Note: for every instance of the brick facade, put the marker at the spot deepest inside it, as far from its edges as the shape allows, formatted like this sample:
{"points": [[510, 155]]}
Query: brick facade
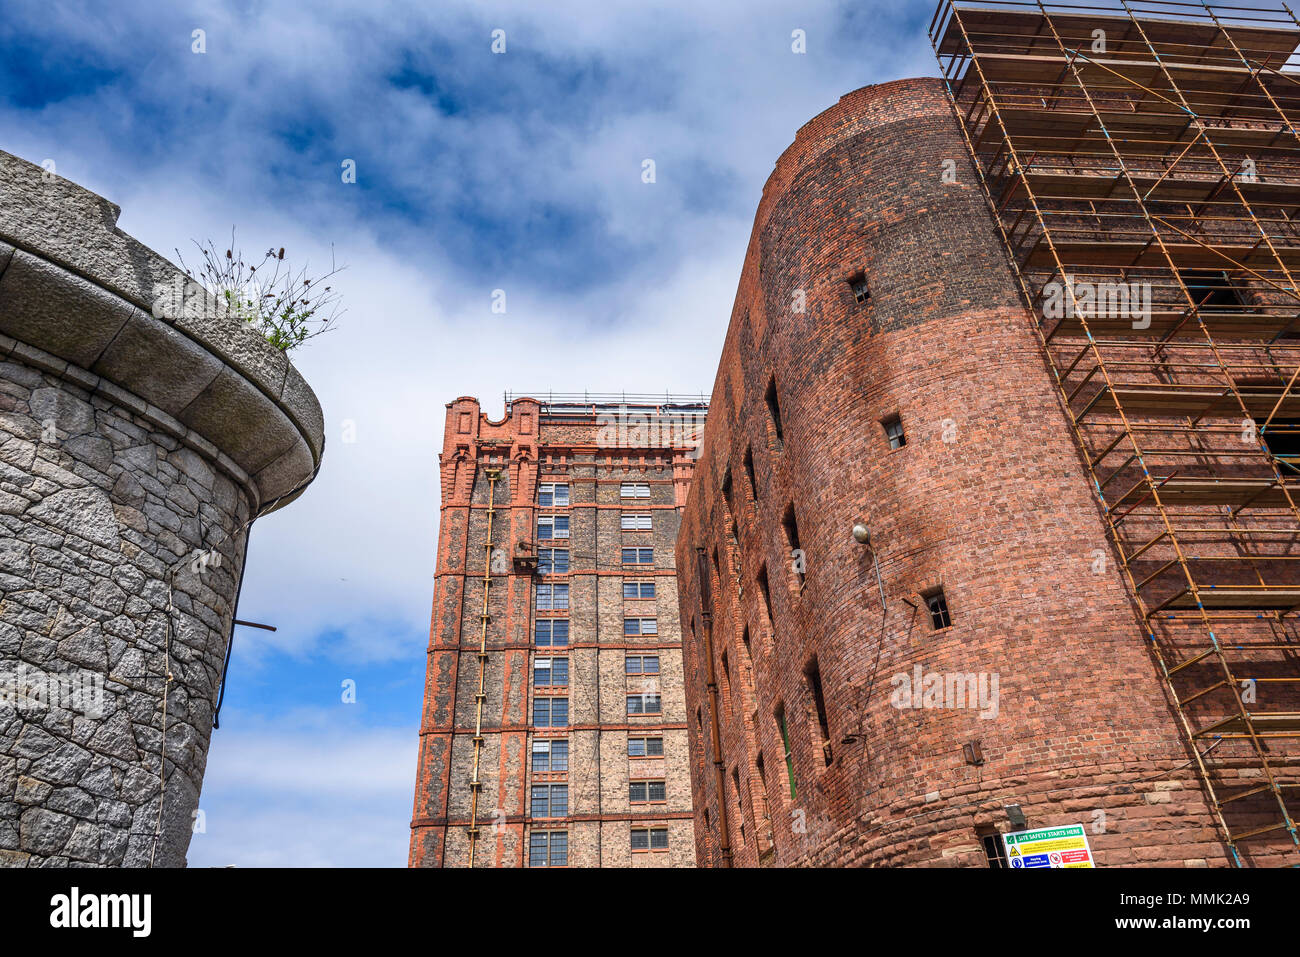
{"points": [[988, 501], [585, 450]]}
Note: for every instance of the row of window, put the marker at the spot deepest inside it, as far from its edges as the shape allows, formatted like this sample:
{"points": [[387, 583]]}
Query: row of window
{"points": [[553, 712], [557, 526], [554, 596], [554, 672], [555, 561], [552, 800], [551, 848], [556, 494], [552, 754]]}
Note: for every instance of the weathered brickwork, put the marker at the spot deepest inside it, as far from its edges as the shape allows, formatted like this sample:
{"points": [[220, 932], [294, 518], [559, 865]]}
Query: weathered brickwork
{"points": [[532, 446], [987, 500]]}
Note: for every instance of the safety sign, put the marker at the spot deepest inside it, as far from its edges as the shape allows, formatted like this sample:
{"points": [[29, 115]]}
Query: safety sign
{"points": [[1048, 847]]}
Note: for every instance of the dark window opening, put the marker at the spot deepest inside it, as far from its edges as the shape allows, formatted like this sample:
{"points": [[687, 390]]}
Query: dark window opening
{"points": [[774, 410], [1282, 438], [749, 471], [937, 605], [767, 594], [744, 640], [1210, 288], [728, 520], [814, 677], [894, 432], [791, 526], [994, 852], [740, 805], [861, 291], [779, 714]]}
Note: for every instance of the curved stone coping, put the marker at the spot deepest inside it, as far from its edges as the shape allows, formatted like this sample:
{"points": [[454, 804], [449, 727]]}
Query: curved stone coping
{"points": [[76, 287]]}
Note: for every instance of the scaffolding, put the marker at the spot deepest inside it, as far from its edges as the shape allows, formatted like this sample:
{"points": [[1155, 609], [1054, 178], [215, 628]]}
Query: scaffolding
{"points": [[1142, 162]]}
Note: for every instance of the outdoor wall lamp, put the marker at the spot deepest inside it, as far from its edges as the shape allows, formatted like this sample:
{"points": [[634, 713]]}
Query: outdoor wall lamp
{"points": [[862, 535]]}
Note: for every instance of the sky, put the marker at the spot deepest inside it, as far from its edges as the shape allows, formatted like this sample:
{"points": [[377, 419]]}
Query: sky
{"points": [[476, 171]]}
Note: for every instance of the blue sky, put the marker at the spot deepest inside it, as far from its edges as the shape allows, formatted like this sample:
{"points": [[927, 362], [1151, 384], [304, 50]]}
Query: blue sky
{"points": [[475, 171]]}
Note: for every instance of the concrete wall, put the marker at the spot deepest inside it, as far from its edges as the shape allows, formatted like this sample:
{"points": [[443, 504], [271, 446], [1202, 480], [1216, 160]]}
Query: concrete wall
{"points": [[140, 434]]}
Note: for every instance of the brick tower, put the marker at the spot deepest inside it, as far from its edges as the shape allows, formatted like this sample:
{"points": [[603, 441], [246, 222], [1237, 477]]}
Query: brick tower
{"points": [[554, 729]]}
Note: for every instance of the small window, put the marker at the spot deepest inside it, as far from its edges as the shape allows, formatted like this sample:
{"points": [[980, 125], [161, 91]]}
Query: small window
{"points": [[749, 472], [645, 747], [995, 853], [553, 526], [638, 589], [552, 561], [550, 672], [937, 605], [766, 592], [550, 800], [551, 712], [894, 432], [550, 756], [861, 291], [1210, 288], [785, 744], [641, 665], [798, 563], [1282, 439], [548, 849], [636, 521], [634, 490], [640, 626], [638, 556], [552, 495], [552, 597], [649, 838], [774, 412], [552, 632], [813, 676], [644, 704], [647, 792]]}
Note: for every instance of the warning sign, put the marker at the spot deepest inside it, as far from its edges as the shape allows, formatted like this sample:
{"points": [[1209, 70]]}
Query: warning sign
{"points": [[1048, 847]]}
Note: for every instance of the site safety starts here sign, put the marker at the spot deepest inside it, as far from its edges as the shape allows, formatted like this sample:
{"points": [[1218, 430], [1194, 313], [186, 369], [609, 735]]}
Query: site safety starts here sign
{"points": [[1048, 847]]}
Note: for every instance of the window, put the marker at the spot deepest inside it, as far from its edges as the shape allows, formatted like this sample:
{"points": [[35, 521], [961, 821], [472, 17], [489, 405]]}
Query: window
{"points": [[644, 704], [740, 804], [550, 756], [638, 589], [1282, 438], [647, 792], [861, 291], [774, 411], [553, 526], [813, 676], [641, 665], [551, 494], [649, 838], [791, 527], [548, 849], [550, 800], [645, 747], [995, 853], [634, 490], [938, 608], [550, 712], [640, 626], [1210, 288], [766, 592], [550, 672], [636, 521], [638, 556], [894, 432], [749, 472], [785, 744], [552, 597], [552, 632], [552, 561]]}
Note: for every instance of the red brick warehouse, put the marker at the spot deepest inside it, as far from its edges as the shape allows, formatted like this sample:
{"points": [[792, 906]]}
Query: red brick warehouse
{"points": [[1088, 568]]}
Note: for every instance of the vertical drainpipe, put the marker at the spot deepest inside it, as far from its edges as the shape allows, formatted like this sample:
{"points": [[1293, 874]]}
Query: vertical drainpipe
{"points": [[706, 622]]}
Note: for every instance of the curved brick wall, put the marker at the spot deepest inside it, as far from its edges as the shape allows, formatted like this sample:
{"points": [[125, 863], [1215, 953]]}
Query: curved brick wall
{"points": [[1001, 517], [140, 433]]}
